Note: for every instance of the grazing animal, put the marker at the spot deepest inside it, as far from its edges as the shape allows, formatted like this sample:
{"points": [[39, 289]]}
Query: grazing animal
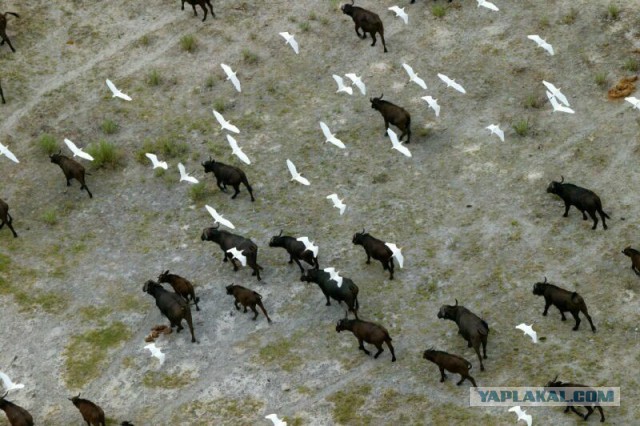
{"points": [[453, 363], [565, 301], [203, 4], [584, 200], [3, 29], [181, 286], [248, 298], [16, 415], [2, 94], [555, 383], [472, 328], [369, 22], [171, 305], [5, 217], [393, 114], [71, 169], [91, 413], [347, 292], [296, 249], [632, 253], [226, 240], [126, 423], [227, 175], [375, 248], [369, 332]]}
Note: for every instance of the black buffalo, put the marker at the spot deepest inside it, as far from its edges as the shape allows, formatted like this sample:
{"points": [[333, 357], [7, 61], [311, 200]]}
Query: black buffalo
{"points": [[583, 199], [347, 292], [226, 240], [472, 328]]}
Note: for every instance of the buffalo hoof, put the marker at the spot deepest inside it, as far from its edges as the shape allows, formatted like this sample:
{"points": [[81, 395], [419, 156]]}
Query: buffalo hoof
{"points": [[393, 359], [193, 340], [575, 328], [485, 357], [544, 314], [482, 368]]}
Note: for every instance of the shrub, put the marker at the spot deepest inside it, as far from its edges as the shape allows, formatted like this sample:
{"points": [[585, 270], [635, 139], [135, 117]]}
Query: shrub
{"points": [[438, 11], [304, 27], [249, 57], [50, 216], [188, 43], [105, 154], [613, 12], [522, 127], [109, 126], [48, 144], [153, 79], [570, 17], [601, 79], [198, 192], [632, 65]]}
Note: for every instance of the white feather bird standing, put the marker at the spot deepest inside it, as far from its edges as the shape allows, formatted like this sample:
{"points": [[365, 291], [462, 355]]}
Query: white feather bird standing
{"points": [[414, 77], [400, 13], [433, 104], [396, 144], [333, 274], [116, 92], [542, 43], [231, 75], [557, 106], [308, 245], [556, 93], [5, 151], [295, 175], [184, 176], [396, 252], [237, 254], [528, 330], [156, 352], [275, 420], [522, 415], [331, 137], [8, 384], [237, 150], [337, 203], [633, 101], [291, 41], [358, 82], [77, 152], [496, 130], [488, 5], [341, 86], [224, 123], [217, 218], [452, 83], [156, 162]]}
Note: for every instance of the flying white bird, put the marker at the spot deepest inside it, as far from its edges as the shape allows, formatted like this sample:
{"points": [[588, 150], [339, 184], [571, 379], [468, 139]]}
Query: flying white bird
{"points": [[396, 144], [633, 101], [237, 150], [224, 123], [341, 86], [237, 254], [358, 82], [496, 130], [156, 352], [5, 151], [231, 76], [488, 5], [433, 104], [414, 77], [156, 163], [522, 415], [542, 43], [217, 218], [77, 151], [291, 41], [528, 330], [330, 137], [116, 92], [8, 384], [452, 83], [276, 421], [308, 245], [557, 106], [400, 13], [397, 253], [333, 274], [295, 175], [184, 176], [337, 203], [556, 93]]}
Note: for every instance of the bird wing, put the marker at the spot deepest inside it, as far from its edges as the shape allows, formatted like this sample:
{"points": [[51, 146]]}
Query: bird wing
{"points": [[6, 381], [556, 92], [276, 421], [339, 81], [458, 87], [433, 104], [536, 38], [220, 118], [237, 150], [153, 158], [358, 82], [325, 130], [4, 150], [633, 101], [396, 144], [227, 70], [334, 198], [292, 169], [409, 71], [71, 146], [446, 79], [231, 76], [112, 87], [393, 136]]}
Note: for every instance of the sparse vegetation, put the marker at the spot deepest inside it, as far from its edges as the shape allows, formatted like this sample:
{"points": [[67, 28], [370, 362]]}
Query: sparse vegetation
{"points": [[601, 79], [109, 126], [532, 101], [632, 65], [347, 403], [105, 154], [521, 127], [165, 148], [198, 192], [570, 17], [163, 380], [188, 43], [153, 78], [219, 410], [304, 27], [249, 57], [50, 216], [438, 11], [613, 12], [48, 144]]}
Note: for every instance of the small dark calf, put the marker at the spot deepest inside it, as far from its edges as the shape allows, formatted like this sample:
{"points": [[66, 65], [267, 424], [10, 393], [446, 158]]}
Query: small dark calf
{"points": [[71, 169], [296, 249], [470, 326], [632, 253], [181, 286], [555, 383], [16, 415], [3, 29], [5, 217], [565, 301], [375, 248], [369, 22], [368, 332], [228, 175], [203, 4], [393, 114], [347, 292], [453, 363], [91, 413], [585, 200], [171, 305], [248, 298]]}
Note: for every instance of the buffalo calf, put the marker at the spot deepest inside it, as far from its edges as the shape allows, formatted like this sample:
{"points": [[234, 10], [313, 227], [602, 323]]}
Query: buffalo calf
{"points": [[248, 298], [226, 240], [555, 383], [228, 175], [181, 286], [632, 253], [71, 169], [296, 249], [91, 413], [368, 332], [565, 301], [453, 363]]}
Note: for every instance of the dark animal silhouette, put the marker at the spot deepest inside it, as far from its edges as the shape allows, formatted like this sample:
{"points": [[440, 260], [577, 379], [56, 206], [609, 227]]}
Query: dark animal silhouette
{"points": [[472, 328], [393, 114], [585, 200], [555, 383], [227, 175], [203, 4], [296, 249], [2, 94], [347, 292], [375, 248], [171, 305], [226, 240], [369, 22], [5, 217], [632, 253], [369, 332], [565, 301], [16, 415], [181, 286], [71, 169], [248, 298], [91, 413], [3, 29], [453, 363]]}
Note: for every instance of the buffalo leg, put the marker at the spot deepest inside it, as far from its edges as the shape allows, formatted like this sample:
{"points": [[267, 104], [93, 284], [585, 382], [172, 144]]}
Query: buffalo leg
{"points": [[373, 36], [236, 305], [393, 353], [595, 219], [195, 299], [194, 9], [584, 214], [593, 327], [576, 316], [391, 268], [236, 189], [566, 209], [384, 44], [562, 315], [87, 189], [187, 317], [253, 308], [9, 43], [222, 187], [327, 296], [484, 348], [572, 408], [2, 96], [477, 349], [634, 269], [386, 128], [547, 304], [380, 350], [264, 311], [183, 4], [364, 35], [299, 265], [361, 347], [211, 8], [601, 413], [602, 216], [442, 374], [473, 382], [368, 256], [589, 411], [245, 309], [9, 220], [203, 6]]}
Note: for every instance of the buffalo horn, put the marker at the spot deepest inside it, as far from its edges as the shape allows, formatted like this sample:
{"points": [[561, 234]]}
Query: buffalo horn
{"points": [[562, 179], [456, 302]]}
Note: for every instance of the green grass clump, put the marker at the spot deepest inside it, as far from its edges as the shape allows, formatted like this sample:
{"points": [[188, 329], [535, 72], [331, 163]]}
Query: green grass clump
{"points": [[109, 126], [304, 27], [281, 353], [438, 11], [48, 144], [50, 216], [219, 105], [347, 403], [250, 57], [198, 192], [570, 17], [188, 43], [522, 127], [219, 411], [163, 380], [86, 354], [613, 12], [632, 65], [601, 79], [153, 78], [532, 101], [105, 154]]}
